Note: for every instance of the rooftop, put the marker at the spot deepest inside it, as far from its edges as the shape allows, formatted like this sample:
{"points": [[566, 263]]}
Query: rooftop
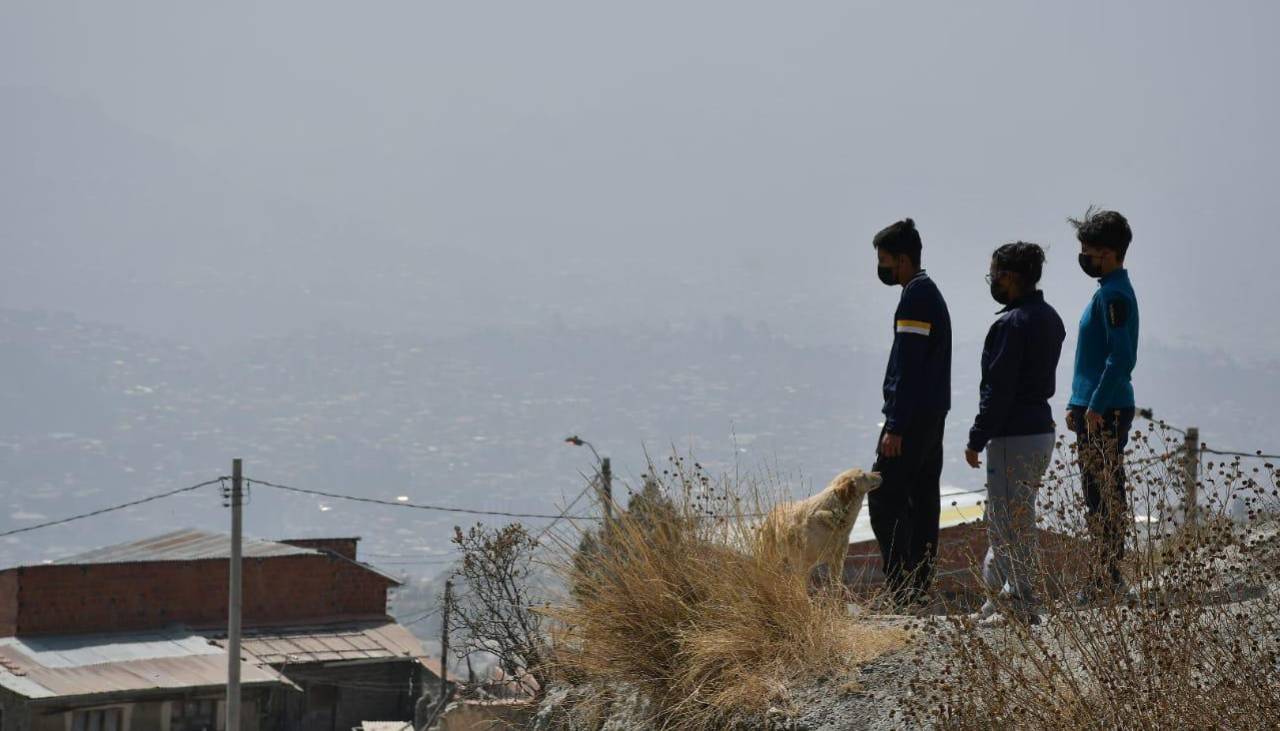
{"points": [[189, 544], [60, 666], [332, 643], [184, 545]]}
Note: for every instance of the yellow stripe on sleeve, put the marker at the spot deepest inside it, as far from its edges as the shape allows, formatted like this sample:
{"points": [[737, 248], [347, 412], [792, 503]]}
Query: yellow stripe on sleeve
{"points": [[915, 327]]}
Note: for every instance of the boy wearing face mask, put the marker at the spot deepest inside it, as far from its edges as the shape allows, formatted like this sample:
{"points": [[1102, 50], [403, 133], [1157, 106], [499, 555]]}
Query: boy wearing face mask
{"points": [[1015, 425], [1101, 409], [917, 395]]}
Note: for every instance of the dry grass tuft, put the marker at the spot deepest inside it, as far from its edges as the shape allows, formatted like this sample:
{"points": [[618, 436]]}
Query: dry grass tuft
{"points": [[678, 599]]}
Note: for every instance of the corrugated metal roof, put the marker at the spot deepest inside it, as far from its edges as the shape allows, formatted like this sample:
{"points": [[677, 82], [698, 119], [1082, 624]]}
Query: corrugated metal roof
{"points": [[70, 666], [184, 545], [330, 643], [69, 651]]}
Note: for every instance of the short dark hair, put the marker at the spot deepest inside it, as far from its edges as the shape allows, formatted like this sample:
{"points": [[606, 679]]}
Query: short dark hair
{"points": [[900, 238], [1104, 229], [1022, 258]]}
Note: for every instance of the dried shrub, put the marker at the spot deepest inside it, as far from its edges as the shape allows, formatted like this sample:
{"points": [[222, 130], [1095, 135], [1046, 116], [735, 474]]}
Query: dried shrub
{"points": [[495, 613], [680, 601]]}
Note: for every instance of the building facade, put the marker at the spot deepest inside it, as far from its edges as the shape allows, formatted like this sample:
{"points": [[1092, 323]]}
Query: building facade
{"points": [[132, 638]]}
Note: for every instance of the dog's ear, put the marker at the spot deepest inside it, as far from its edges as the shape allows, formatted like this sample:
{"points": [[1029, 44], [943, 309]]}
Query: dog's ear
{"points": [[845, 488]]}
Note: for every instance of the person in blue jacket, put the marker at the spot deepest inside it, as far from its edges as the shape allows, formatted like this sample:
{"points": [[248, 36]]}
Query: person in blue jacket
{"points": [[917, 395], [1101, 409], [1015, 426]]}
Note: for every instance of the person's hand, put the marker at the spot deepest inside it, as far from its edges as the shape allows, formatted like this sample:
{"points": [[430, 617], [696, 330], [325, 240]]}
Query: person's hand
{"points": [[891, 445], [1094, 422], [1071, 420], [971, 457]]}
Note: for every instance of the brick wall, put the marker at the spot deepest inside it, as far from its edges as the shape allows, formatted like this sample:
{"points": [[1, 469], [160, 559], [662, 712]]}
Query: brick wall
{"points": [[8, 602], [118, 597], [341, 546], [961, 549]]}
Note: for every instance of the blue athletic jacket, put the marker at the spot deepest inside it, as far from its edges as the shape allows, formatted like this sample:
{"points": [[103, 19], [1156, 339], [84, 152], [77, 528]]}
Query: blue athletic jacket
{"points": [[1019, 369], [918, 377], [1107, 349]]}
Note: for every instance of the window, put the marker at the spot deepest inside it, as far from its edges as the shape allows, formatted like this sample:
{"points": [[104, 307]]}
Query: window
{"points": [[194, 715], [99, 719]]}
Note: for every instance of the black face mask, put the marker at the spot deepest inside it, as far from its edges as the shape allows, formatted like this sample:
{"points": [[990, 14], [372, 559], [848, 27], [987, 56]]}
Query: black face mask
{"points": [[1088, 266], [886, 275], [998, 294]]}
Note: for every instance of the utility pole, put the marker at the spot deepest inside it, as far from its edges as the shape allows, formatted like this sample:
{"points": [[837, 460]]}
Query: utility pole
{"points": [[233, 608], [606, 492], [444, 644], [606, 479], [1191, 475]]}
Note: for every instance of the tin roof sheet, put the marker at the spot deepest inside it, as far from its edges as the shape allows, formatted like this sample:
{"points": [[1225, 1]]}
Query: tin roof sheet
{"points": [[88, 665], [184, 545], [330, 643]]}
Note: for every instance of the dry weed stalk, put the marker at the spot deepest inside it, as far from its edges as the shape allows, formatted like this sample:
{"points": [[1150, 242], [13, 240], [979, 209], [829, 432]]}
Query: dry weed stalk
{"points": [[1195, 643]]}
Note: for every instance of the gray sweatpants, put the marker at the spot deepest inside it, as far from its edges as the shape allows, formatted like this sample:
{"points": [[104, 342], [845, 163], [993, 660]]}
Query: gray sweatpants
{"points": [[1015, 467]]}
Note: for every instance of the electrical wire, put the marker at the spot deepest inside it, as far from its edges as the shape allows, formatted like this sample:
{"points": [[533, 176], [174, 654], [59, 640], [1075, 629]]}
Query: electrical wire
{"points": [[1246, 455], [415, 506], [113, 508], [547, 529]]}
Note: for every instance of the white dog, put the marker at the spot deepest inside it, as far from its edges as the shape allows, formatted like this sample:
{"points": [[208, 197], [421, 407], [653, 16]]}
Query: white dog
{"points": [[815, 530]]}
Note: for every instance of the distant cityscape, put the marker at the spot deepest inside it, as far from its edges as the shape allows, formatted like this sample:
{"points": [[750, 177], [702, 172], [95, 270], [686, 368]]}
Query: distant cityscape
{"points": [[102, 415]]}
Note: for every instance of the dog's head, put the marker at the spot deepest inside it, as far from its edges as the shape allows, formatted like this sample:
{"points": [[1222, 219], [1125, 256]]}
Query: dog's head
{"points": [[854, 484]]}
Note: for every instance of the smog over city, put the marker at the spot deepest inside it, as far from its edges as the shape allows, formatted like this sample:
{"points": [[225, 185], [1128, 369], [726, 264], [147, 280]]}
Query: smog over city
{"points": [[399, 252]]}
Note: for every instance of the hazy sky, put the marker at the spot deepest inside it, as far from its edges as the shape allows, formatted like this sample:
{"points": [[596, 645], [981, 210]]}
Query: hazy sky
{"points": [[207, 170]]}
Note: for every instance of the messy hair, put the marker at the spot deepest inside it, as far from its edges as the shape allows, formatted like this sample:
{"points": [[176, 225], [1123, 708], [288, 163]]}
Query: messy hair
{"points": [[1104, 229]]}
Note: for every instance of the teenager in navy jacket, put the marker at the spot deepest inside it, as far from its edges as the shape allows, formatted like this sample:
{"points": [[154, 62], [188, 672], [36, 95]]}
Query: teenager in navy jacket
{"points": [[1015, 426], [917, 395]]}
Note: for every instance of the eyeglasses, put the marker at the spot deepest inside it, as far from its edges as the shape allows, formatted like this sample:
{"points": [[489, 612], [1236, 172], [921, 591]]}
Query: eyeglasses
{"points": [[992, 277]]}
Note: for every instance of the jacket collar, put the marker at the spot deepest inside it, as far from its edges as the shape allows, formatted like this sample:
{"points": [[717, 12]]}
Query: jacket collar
{"points": [[1026, 299], [1119, 275]]}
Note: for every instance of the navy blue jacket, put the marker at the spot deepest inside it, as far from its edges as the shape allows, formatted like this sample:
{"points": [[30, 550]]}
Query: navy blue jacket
{"points": [[1019, 368], [918, 377]]}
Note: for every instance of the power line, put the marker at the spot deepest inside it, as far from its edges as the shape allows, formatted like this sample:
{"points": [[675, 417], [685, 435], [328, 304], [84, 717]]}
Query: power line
{"points": [[113, 508], [1247, 455], [547, 529], [425, 615], [403, 555], [415, 506]]}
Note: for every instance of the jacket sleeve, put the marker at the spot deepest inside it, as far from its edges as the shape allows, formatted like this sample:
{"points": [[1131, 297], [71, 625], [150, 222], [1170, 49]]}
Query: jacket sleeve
{"points": [[913, 326], [1120, 316], [1006, 344]]}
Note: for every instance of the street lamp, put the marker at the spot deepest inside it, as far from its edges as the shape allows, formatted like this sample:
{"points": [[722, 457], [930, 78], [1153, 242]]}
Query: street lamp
{"points": [[606, 477]]}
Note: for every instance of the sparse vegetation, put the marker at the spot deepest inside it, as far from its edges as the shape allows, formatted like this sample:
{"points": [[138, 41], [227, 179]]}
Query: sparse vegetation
{"points": [[496, 611], [1194, 643]]}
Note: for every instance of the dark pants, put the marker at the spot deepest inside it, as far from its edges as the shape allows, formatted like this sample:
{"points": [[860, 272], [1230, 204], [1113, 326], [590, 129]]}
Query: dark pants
{"points": [[904, 510], [1101, 460]]}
